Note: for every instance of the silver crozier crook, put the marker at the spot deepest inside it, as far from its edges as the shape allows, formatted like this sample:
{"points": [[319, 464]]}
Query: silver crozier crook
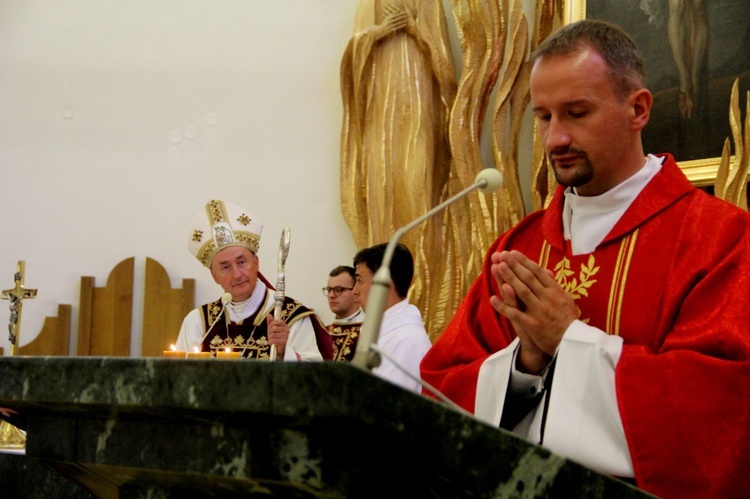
{"points": [[286, 236]]}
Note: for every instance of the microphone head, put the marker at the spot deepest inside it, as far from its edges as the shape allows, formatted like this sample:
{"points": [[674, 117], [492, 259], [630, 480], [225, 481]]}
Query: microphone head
{"points": [[490, 179], [225, 299]]}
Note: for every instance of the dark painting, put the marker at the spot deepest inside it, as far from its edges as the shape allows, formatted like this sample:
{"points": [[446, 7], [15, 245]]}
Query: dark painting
{"points": [[690, 116]]}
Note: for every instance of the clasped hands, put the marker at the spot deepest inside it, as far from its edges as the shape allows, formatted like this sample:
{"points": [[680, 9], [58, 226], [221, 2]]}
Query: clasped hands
{"points": [[396, 18], [537, 306]]}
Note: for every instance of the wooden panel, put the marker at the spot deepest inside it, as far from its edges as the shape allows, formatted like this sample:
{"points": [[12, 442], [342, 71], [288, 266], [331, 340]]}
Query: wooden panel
{"points": [[164, 309], [85, 307], [54, 338], [106, 313]]}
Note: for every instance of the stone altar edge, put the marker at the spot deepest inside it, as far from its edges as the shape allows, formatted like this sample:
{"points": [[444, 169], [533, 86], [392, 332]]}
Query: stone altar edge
{"points": [[297, 404]]}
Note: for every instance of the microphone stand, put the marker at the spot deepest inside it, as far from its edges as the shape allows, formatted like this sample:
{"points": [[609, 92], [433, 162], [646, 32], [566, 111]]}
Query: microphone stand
{"points": [[487, 180]]}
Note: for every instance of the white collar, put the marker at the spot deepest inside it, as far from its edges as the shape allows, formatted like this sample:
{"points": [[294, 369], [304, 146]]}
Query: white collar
{"points": [[588, 219], [244, 309], [352, 317]]}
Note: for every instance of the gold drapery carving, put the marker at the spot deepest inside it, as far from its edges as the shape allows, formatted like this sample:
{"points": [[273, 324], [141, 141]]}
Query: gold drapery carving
{"points": [[11, 437], [411, 134], [732, 175], [398, 83]]}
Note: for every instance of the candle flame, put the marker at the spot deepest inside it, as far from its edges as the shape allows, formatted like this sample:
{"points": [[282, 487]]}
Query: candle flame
{"points": [[196, 349], [173, 348]]}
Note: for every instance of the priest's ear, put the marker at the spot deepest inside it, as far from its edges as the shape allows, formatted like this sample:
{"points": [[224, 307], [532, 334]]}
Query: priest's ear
{"points": [[640, 102]]}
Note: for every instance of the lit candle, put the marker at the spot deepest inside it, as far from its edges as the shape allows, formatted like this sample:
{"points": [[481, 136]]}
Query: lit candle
{"points": [[228, 354], [174, 353], [197, 354]]}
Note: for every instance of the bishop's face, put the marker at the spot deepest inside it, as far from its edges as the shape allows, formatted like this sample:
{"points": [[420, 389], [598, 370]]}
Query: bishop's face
{"points": [[235, 269]]}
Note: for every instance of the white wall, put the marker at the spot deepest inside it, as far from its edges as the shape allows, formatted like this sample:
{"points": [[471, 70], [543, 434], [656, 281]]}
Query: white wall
{"points": [[120, 119]]}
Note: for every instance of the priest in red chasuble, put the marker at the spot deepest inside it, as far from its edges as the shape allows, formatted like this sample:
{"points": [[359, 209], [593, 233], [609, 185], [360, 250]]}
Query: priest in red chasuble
{"points": [[612, 327]]}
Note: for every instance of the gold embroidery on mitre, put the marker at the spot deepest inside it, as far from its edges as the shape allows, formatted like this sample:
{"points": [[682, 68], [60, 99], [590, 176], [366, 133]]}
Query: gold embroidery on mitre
{"points": [[223, 233], [216, 212], [251, 240], [206, 251]]}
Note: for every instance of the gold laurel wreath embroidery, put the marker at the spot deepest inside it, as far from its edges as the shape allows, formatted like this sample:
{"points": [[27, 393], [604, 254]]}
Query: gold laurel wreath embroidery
{"points": [[579, 287]]}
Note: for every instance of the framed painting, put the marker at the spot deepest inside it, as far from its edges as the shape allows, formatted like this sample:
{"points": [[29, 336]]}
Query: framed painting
{"points": [[693, 51]]}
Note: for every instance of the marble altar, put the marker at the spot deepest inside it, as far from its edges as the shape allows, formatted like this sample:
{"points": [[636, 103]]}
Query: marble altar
{"points": [[158, 427]]}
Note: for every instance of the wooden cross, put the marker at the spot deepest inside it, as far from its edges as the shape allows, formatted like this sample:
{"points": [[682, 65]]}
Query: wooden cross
{"points": [[16, 295]]}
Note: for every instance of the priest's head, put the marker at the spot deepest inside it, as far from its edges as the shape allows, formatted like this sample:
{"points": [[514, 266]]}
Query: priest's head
{"points": [[225, 239]]}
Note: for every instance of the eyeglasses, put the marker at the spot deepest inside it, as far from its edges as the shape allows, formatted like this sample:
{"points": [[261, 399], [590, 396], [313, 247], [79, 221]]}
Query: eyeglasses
{"points": [[337, 290]]}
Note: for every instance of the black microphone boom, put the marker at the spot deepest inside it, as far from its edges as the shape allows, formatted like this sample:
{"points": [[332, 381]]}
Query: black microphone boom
{"points": [[487, 180]]}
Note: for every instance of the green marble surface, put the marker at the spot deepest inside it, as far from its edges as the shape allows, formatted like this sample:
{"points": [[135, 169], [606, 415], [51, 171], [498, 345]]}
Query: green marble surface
{"points": [[153, 427]]}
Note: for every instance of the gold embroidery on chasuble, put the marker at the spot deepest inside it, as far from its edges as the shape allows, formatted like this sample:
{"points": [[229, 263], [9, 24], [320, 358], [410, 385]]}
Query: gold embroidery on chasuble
{"points": [[250, 335], [579, 282], [617, 291], [344, 337], [246, 336]]}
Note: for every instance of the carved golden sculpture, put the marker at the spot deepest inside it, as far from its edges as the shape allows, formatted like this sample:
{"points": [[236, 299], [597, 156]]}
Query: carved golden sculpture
{"points": [[11, 437], [732, 175], [398, 84], [411, 136]]}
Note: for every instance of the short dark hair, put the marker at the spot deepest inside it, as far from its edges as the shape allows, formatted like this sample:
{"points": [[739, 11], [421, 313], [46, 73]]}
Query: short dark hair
{"points": [[402, 264], [341, 269], [622, 55]]}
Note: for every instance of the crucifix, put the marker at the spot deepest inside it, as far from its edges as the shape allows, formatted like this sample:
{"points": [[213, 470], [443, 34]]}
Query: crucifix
{"points": [[10, 436], [16, 295]]}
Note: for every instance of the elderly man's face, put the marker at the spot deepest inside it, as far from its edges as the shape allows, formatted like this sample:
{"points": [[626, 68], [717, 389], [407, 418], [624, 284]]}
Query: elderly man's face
{"points": [[235, 269]]}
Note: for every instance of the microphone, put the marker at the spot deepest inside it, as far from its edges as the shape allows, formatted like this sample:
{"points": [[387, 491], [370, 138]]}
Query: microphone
{"points": [[225, 299], [366, 357]]}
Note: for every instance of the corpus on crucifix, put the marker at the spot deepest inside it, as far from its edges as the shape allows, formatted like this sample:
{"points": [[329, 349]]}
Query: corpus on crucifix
{"points": [[16, 295]]}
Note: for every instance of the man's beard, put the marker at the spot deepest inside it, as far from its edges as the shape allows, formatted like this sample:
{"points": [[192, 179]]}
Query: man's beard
{"points": [[582, 174]]}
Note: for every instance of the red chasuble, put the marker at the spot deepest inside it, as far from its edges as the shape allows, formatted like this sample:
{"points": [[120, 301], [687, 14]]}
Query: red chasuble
{"points": [[672, 279]]}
